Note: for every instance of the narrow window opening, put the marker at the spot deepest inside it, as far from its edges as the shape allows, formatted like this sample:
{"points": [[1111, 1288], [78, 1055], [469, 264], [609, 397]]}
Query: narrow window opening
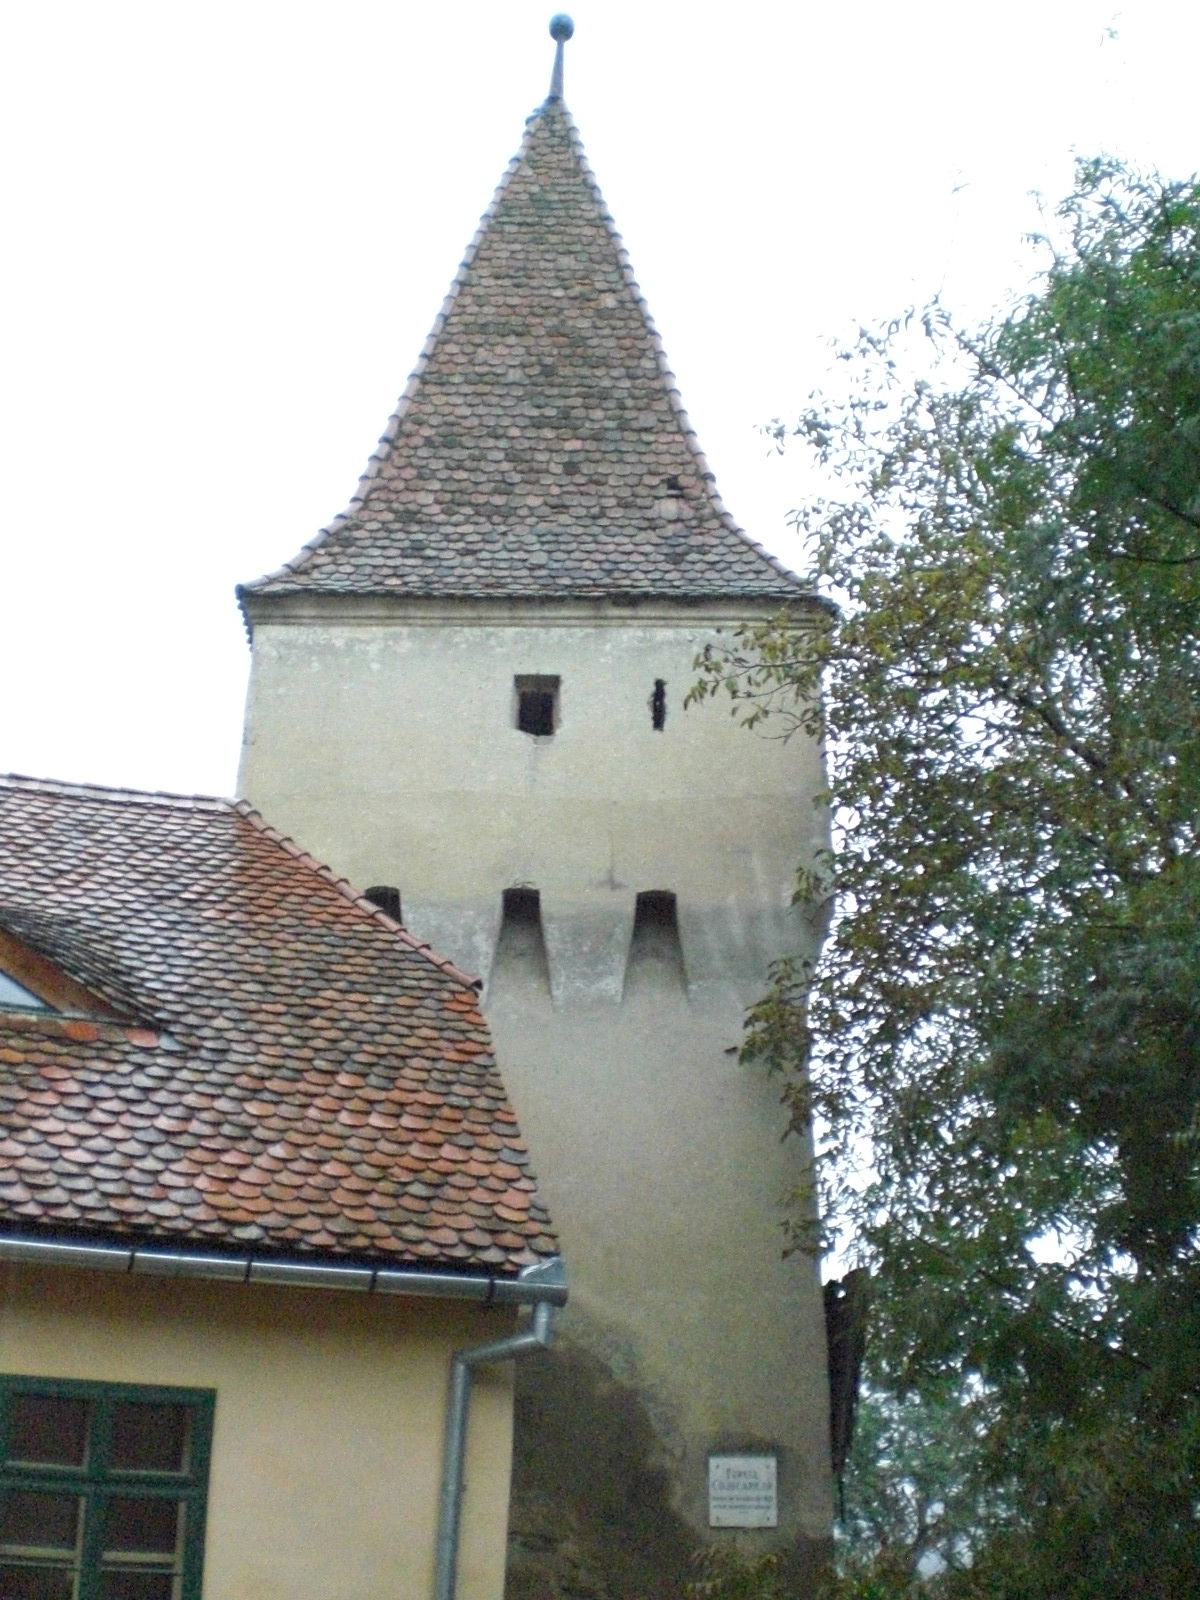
{"points": [[655, 954], [386, 898], [537, 704], [658, 705], [520, 961]]}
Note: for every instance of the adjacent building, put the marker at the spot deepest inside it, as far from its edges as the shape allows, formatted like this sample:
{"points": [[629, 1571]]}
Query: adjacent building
{"points": [[262, 1196]]}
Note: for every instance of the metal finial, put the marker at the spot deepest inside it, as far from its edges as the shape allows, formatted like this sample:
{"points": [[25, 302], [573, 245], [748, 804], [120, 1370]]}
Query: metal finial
{"points": [[561, 29]]}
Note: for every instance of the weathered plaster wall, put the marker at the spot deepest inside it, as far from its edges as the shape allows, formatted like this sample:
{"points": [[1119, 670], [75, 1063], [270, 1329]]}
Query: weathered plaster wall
{"points": [[328, 1432], [386, 742], [389, 748], [666, 1172]]}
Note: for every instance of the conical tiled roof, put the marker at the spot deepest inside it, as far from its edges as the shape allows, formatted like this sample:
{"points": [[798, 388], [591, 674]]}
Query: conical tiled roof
{"points": [[540, 450]]}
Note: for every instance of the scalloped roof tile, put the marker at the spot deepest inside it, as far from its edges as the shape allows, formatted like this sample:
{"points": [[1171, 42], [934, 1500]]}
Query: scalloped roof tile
{"points": [[304, 1076], [540, 450]]}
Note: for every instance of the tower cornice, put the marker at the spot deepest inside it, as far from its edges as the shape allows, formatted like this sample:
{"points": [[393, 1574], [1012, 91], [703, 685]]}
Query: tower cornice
{"points": [[301, 608]]}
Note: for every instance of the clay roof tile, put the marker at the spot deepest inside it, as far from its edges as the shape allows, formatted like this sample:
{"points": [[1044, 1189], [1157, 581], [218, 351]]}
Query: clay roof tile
{"points": [[540, 449], [205, 1122]]}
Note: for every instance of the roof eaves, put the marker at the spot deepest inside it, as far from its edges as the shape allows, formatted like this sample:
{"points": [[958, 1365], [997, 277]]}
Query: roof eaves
{"points": [[793, 591], [152, 1255]]}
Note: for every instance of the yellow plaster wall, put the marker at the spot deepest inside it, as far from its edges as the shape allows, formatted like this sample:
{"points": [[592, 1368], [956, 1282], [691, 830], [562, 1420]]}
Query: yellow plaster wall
{"points": [[327, 1445]]}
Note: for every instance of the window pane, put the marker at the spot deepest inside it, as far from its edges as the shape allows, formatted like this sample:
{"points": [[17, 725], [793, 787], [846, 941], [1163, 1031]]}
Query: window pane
{"points": [[81, 1508], [36, 1583], [49, 1430], [142, 1525], [16, 996], [37, 1521], [149, 1437], [135, 1586]]}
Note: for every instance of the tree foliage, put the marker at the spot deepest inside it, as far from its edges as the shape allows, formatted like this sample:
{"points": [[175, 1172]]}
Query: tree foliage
{"points": [[915, 1505], [1007, 1020]]}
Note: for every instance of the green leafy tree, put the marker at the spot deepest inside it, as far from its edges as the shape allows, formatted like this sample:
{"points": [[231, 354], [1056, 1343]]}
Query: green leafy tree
{"points": [[914, 1505], [1005, 1032]]}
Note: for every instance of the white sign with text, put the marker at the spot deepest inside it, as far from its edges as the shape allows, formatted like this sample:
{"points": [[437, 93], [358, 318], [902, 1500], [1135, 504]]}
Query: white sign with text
{"points": [[741, 1492]]}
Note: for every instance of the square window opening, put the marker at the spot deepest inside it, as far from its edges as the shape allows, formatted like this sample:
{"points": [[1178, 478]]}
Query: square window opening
{"points": [[537, 704]]}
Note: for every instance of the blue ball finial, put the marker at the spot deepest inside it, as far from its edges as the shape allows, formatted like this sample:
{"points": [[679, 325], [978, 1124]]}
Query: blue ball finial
{"points": [[561, 26]]}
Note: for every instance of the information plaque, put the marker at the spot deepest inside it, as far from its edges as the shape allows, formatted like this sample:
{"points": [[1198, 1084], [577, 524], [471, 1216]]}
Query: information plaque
{"points": [[741, 1492]]}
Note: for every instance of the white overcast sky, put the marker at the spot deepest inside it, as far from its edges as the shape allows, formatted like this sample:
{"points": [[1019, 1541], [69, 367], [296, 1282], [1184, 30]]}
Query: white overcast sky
{"points": [[230, 225]]}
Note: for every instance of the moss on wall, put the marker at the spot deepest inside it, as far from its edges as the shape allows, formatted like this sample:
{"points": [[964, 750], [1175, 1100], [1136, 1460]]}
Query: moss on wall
{"points": [[591, 1514]]}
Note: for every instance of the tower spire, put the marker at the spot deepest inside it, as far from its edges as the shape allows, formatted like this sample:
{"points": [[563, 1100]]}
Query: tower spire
{"points": [[540, 447], [561, 29]]}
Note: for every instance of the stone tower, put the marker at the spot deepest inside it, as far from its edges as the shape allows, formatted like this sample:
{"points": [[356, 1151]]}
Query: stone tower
{"points": [[469, 689]]}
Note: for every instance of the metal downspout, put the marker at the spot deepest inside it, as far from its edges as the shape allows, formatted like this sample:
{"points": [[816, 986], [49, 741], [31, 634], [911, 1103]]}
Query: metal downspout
{"points": [[535, 1337]]}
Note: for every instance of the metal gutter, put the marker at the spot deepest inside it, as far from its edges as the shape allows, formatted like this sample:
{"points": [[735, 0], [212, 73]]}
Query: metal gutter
{"points": [[551, 1277], [530, 1288]]}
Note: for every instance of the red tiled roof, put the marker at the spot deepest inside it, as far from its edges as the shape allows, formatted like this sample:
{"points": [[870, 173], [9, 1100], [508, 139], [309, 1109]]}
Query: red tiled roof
{"points": [[296, 1073], [540, 449]]}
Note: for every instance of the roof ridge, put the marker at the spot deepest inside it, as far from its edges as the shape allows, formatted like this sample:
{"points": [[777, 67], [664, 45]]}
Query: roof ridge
{"points": [[103, 791], [242, 808], [256, 819]]}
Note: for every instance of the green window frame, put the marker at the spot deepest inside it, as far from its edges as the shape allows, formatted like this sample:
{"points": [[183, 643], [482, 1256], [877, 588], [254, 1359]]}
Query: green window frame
{"points": [[103, 1489]]}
